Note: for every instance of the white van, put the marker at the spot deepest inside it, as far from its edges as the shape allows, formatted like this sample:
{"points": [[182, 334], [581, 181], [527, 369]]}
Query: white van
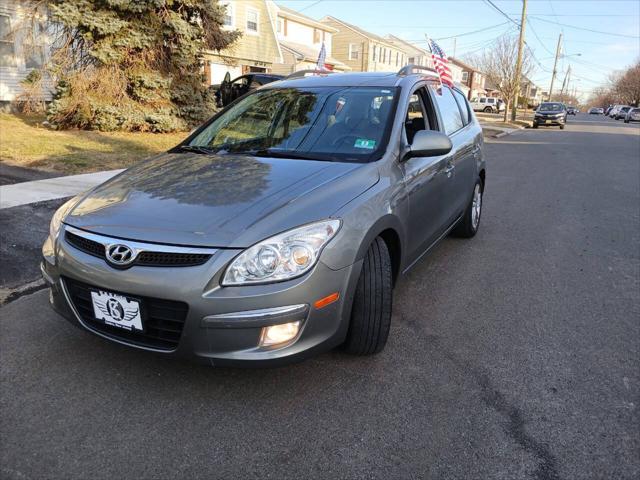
{"points": [[487, 104]]}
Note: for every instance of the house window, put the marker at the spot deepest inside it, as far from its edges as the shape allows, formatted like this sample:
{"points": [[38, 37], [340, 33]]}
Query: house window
{"points": [[465, 77], [412, 60], [375, 53], [280, 25], [34, 52], [397, 58], [227, 18], [7, 52], [252, 20], [354, 51], [384, 55], [317, 35]]}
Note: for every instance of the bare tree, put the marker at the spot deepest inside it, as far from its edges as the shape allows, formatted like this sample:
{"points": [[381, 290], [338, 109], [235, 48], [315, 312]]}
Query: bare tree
{"points": [[498, 63], [627, 87]]}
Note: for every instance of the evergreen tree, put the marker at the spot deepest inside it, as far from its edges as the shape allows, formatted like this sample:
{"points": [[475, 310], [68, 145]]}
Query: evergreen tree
{"points": [[133, 64]]}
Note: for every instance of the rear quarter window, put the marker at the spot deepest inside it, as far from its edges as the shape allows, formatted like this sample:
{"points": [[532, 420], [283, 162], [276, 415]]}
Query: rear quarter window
{"points": [[451, 116], [464, 107]]}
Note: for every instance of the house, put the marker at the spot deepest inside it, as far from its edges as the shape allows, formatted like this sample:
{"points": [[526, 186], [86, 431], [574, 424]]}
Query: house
{"points": [[21, 50], [363, 51], [257, 50], [415, 54], [301, 38], [472, 78]]}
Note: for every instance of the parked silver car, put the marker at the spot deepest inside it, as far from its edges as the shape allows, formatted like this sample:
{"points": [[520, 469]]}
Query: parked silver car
{"points": [[633, 115], [278, 229]]}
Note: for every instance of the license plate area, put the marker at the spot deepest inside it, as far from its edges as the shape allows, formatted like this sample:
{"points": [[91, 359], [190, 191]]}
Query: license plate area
{"points": [[117, 310]]}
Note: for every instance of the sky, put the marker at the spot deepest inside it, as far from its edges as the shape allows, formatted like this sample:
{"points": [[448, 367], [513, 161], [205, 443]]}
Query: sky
{"points": [[606, 33]]}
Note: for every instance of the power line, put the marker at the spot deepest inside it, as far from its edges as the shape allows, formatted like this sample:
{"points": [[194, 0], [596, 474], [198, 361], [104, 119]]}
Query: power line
{"points": [[473, 32], [587, 29], [309, 6], [490, 3], [538, 38]]}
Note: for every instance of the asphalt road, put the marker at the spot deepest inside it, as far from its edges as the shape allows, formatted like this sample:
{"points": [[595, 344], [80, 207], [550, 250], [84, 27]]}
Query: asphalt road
{"points": [[514, 355]]}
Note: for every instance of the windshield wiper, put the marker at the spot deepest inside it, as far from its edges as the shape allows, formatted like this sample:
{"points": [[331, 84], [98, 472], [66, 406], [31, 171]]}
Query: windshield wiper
{"points": [[196, 149], [284, 154]]}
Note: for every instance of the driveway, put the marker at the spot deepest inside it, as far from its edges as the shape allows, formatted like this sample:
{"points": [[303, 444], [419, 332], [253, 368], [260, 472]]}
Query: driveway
{"points": [[513, 355]]}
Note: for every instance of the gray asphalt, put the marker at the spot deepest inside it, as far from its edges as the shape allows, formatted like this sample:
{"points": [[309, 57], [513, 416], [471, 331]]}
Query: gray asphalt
{"points": [[514, 355]]}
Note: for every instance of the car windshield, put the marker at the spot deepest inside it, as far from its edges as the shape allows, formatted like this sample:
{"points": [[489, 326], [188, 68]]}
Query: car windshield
{"points": [[339, 123], [550, 107]]}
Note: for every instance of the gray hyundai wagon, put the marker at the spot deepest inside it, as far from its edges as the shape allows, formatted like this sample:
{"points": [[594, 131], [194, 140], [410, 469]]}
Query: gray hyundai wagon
{"points": [[278, 229]]}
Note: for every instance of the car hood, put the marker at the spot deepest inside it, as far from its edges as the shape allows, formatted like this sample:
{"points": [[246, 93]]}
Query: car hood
{"points": [[208, 200]]}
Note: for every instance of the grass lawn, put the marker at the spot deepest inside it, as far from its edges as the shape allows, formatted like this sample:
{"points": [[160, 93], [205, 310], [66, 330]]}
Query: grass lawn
{"points": [[25, 142]]}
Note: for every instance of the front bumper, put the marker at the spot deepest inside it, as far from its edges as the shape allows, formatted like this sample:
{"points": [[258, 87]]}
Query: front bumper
{"points": [[222, 325], [549, 121]]}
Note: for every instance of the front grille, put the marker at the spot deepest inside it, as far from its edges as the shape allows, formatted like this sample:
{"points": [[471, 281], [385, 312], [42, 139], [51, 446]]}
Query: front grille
{"points": [[171, 259], [87, 246], [145, 258], [163, 320]]}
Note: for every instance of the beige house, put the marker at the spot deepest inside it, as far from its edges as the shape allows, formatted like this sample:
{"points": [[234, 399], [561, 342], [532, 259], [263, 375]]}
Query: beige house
{"points": [[18, 56], [415, 54], [363, 51], [301, 38], [256, 51]]}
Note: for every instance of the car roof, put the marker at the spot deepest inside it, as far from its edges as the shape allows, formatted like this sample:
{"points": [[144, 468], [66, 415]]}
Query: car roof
{"points": [[360, 79]]}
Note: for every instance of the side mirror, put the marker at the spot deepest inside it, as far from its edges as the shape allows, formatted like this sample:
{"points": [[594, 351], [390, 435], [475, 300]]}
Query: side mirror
{"points": [[429, 143]]}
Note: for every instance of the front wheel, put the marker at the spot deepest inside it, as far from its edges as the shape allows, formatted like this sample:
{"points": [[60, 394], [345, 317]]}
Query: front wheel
{"points": [[468, 226], [535, 125], [371, 311]]}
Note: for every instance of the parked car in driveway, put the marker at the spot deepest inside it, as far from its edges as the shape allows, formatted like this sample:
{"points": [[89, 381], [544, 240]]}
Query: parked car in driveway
{"points": [[621, 113], [229, 90], [596, 111], [550, 114], [487, 105], [633, 115], [279, 228]]}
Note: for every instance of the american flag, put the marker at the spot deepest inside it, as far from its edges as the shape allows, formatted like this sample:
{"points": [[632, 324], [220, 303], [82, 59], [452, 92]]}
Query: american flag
{"points": [[441, 62], [322, 57]]}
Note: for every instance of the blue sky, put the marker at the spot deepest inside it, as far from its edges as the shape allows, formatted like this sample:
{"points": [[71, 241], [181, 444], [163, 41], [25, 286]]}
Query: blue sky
{"points": [[600, 53]]}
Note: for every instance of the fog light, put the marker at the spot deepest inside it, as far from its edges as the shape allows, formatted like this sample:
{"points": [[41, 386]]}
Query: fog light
{"points": [[277, 334]]}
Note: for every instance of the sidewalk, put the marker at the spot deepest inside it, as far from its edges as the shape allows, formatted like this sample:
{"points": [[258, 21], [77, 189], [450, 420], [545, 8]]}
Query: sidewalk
{"points": [[50, 188]]}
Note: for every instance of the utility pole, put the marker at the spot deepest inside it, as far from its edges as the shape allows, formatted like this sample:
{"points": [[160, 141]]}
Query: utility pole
{"points": [[565, 83], [454, 46], [555, 66], [523, 20]]}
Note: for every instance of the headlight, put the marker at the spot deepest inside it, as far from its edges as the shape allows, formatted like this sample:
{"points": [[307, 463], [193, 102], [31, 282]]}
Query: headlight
{"points": [[282, 257], [56, 220]]}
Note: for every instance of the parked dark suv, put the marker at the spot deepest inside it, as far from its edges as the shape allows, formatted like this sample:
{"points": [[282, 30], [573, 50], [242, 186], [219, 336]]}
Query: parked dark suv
{"points": [[279, 228], [229, 90]]}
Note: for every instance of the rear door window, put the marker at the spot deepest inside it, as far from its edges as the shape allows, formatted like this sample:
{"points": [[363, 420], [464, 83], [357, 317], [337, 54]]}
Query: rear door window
{"points": [[449, 111]]}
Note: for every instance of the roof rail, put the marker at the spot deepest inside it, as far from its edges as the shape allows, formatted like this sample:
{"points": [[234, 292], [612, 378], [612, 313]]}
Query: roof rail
{"points": [[411, 68], [303, 73]]}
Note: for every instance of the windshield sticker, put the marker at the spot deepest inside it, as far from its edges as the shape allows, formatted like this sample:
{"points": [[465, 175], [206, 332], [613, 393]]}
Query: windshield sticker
{"points": [[364, 143]]}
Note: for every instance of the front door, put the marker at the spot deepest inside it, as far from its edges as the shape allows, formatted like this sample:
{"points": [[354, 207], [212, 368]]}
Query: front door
{"points": [[426, 180]]}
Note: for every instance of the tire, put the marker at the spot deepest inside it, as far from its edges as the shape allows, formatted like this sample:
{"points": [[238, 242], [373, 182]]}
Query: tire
{"points": [[561, 127], [626, 121], [488, 110], [535, 125], [468, 226], [371, 311]]}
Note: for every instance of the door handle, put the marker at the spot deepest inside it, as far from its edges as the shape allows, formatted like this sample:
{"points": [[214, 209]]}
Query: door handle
{"points": [[449, 170]]}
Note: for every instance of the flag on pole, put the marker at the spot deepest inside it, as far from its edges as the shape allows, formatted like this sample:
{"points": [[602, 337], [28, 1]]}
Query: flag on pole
{"points": [[322, 57], [441, 63]]}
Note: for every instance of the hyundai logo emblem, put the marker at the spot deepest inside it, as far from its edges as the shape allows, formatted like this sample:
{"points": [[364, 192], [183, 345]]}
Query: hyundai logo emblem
{"points": [[119, 254]]}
